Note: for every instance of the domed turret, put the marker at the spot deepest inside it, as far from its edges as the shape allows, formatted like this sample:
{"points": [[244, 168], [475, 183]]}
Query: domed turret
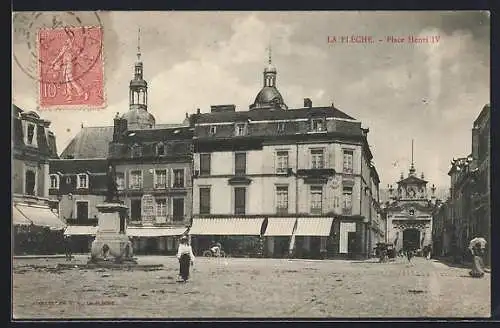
{"points": [[269, 96], [138, 116]]}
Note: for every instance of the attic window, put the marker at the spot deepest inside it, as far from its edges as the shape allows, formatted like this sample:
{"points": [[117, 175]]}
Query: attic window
{"points": [[136, 151], [318, 125], [240, 129], [213, 130], [30, 135], [160, 149], [281, 126], [54, 181], [82, 181]]}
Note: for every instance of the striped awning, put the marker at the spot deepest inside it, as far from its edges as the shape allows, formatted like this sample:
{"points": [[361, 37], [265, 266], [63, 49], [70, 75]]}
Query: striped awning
{"points": [[227, 226], [280, 226], [41, 216], [155, 231], [74, 230], [314, 226], [18, 218]]}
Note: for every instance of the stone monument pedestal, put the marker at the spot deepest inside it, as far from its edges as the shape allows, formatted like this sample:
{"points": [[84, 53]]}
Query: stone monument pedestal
{"points": [[111, 244]]}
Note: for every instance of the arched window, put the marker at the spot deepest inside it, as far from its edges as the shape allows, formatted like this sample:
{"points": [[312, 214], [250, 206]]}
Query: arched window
{"points": [[54, 181], [30, 182]]}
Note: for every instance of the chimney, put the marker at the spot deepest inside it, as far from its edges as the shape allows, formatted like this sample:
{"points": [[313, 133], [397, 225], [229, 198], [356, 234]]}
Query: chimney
{"points": [[197, 111], [307, 102]]}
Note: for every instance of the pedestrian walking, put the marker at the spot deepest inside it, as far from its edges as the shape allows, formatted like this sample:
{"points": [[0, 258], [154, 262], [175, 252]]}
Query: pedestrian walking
{"points": [[409, 254], [67, 247], [186, 258], [477, 262], [429, 252]]}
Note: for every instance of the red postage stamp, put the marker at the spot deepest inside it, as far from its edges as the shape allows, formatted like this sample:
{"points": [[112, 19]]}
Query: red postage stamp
{"points": [[71, 70]]}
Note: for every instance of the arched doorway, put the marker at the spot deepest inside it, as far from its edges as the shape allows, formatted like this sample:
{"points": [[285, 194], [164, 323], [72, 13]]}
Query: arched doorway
{"points": [[411, 238]]}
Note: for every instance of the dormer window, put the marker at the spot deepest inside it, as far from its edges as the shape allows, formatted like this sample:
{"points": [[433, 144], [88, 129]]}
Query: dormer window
{"points": [[240, 129], [412, 212], [30, 134], [54, 181], [281, 127], [136, 151], [318, 125], [213, 130], [160, 149], [82, 181]]}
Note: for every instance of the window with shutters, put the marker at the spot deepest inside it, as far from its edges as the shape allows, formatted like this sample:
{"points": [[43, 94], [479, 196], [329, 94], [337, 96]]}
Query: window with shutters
{"points": [[281, 161], [240, 163], [347, 200], [348, 157], [160, 179], [161, 207], [204, 200], [135, 181], [316, 199], [179, 178], [205, 164], [239, 200], [178, 209], [281, 199]]}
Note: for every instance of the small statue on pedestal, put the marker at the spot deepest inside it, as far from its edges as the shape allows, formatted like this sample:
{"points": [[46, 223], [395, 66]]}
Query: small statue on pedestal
{"points": [[112, 190]]}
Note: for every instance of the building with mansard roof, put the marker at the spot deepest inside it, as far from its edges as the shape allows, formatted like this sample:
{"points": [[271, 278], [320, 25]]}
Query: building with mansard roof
{"points": [[275, 181], [33, 146], [153, 171]]}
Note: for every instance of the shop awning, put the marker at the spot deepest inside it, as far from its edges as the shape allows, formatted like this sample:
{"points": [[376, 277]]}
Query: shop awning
{"points": [[280, 226], [41, 216], [313, 226], [18, 218], [227, 226], [74, 230], [154, 231]]}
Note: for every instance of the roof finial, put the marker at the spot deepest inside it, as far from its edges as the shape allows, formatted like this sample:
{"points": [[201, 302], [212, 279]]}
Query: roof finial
{"points": [[269, 54], [139, 44], [412, 167]]}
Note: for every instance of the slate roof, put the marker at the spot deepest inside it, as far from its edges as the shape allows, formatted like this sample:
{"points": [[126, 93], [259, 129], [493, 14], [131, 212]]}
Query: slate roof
{"points": [[93, 142], [46, 145], [268, 114], [71, 166], [90, 142]]}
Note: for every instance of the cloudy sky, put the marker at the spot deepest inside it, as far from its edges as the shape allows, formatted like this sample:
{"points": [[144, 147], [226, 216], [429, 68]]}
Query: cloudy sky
{"points": [[427, 92]]}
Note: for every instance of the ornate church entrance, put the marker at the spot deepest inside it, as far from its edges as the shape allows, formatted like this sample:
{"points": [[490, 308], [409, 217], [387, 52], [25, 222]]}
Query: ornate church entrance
{"points": [[411, 238]]}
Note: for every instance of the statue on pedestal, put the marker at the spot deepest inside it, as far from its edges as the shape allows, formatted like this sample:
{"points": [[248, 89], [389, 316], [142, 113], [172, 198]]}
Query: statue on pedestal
{"points": [[112, 189]]}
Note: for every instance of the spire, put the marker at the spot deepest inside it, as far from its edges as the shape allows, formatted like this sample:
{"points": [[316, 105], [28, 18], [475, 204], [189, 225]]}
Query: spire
{"points": [[269, 55], [139, 44], [412, 167]]}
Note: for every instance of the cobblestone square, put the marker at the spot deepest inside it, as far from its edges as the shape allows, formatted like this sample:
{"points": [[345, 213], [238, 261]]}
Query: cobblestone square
{"points": [[250, 288]]}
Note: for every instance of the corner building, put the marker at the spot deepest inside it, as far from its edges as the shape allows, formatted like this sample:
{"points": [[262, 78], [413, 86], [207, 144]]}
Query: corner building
{"points": [[275, 181]]}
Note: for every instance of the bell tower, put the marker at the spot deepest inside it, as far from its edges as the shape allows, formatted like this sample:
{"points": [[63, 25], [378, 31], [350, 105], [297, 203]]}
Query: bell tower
{"points": [[138, 89], [270, 71]]}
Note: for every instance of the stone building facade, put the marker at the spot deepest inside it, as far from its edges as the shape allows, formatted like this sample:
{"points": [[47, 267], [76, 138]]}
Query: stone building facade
{"points": [[153, 165], [409, 212], [33, 146], [299, 180], [470, 203]]}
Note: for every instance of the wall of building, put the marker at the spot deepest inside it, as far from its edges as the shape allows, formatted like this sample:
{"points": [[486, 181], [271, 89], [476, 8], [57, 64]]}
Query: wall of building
{"points": [[67, 206]]}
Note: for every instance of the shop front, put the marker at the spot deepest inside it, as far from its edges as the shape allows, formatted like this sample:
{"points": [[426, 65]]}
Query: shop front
{"points": [[239, 237], [155, 240], [278, 236], [37, 230], [311, 237]]}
